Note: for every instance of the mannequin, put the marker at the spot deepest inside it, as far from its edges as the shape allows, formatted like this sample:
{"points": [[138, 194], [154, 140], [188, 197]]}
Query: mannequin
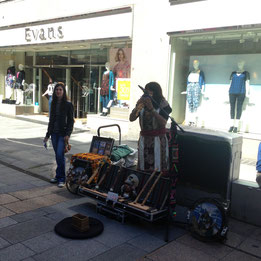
{"points": [[195, 87], [107, 90], [9, 79], [239, 89], [20, 79]]}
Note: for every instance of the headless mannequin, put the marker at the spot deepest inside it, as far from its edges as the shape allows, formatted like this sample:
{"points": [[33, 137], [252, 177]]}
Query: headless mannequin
{"points": [[9, 80], [20, 79], [239, 89], [107, 90], [195, 87]]}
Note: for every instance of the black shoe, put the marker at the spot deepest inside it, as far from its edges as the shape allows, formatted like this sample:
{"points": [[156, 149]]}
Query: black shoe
{"points": [[102, 114], [231, 129], [235, 130]]}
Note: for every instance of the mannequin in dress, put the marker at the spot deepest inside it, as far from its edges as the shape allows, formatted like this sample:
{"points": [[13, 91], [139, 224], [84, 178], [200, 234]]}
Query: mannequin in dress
{"points": [[20, 79], [239, 89], [9, 79], [195, 87], [107, 90]]}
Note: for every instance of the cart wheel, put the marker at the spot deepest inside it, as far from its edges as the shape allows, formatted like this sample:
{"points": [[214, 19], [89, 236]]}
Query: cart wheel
{"points": [[207, 220], [72, 187]]}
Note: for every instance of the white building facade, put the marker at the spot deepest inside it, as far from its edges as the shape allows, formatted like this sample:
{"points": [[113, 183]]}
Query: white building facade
{"points": [[71, 42]]}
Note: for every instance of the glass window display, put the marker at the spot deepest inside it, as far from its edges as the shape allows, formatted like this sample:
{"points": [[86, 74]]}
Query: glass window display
{"points": [[229, 99]]}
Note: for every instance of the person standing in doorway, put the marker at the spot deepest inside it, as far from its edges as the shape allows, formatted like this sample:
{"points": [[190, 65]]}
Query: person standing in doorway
{"points": [[60, 128], [49, 91]]}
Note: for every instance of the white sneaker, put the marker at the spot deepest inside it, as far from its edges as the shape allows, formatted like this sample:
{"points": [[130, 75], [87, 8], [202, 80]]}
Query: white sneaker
{"points": [[53, 180], [61, 184]]}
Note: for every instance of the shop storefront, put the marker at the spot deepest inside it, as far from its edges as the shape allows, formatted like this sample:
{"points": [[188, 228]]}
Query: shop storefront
{"points": [[218, 58], [75, 52]]}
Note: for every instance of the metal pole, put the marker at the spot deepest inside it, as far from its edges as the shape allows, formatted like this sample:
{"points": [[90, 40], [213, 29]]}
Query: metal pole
{"points": [[34, 78], [40, 90]]}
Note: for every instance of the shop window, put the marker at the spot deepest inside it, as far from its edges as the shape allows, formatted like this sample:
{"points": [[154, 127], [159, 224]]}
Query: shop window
{"points": [[177, 2], [231, 63]]}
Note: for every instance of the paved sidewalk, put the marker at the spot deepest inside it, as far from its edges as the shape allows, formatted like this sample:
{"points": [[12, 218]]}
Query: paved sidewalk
{"points": [[30, 207]]}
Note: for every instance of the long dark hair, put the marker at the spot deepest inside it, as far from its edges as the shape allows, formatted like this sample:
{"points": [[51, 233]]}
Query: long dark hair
{"points": [[157, 93], [54, 100]]}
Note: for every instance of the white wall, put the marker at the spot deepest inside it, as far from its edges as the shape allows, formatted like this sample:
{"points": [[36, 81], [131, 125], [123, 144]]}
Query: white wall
{"points": [[24, 11], [150, 49], [213, 13]]}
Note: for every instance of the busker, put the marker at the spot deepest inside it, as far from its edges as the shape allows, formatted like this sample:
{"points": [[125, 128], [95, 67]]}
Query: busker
{"points": [[153, 151], [60, 128]]}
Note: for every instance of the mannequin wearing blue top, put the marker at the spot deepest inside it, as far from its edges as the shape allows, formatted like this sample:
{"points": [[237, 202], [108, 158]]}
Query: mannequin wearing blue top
{"points": [[195, 87], [239, 89]]}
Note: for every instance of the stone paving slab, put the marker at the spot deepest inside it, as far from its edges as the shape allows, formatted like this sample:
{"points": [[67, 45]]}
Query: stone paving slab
{"points": [[178, 252], [29, 215], [44, 242], [147, 242], [3, 243], [251, 246], [56, 198], [7, 221], [239, 256], [241, 228], [234, 239], [16, 187], [6, 198], [15, 252], [35, 192], [124, 252], [29, 204], [80, 250], [4, 212], [256, 234], [27, 230], [214, 249]]}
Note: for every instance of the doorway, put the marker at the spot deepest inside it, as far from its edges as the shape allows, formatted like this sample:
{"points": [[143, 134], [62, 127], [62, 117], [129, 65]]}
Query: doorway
{"points": [[82, 84]]}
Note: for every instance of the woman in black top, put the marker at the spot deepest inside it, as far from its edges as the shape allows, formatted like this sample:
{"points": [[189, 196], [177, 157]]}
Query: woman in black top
{"points": [[60, 128]]}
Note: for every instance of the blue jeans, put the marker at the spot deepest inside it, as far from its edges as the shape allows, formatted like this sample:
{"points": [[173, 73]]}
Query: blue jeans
{"points": [[58, 146], [258, 163], [50, 102]]}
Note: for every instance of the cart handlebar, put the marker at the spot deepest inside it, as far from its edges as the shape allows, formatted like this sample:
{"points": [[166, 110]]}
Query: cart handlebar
{"points": [[111, 125]]}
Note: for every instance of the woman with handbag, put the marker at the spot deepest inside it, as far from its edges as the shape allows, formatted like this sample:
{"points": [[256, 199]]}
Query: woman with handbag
{"points": [[60, 128]]}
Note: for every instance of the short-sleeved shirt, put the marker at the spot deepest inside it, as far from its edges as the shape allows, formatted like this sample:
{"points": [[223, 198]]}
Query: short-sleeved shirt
{"points": [[50, 89], [238, 82]]}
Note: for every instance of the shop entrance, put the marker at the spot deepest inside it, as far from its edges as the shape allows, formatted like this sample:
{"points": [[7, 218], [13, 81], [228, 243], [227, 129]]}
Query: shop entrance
{"points": [[82, 85]]}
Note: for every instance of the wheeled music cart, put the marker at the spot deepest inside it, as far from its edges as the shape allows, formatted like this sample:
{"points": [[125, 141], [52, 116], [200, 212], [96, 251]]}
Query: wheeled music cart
{"points": [[118, 190]]}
